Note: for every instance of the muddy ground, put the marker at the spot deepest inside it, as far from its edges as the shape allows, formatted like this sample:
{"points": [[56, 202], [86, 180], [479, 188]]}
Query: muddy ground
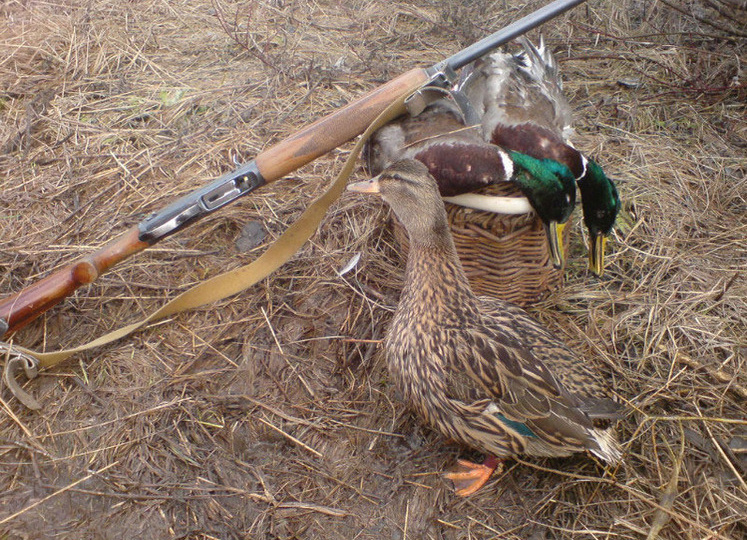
{"points": [[271, 414]]}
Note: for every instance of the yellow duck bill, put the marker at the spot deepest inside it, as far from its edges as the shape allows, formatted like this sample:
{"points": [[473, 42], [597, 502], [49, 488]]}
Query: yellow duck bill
{"points": [[597, 244], [367, 186], [554, 232]]}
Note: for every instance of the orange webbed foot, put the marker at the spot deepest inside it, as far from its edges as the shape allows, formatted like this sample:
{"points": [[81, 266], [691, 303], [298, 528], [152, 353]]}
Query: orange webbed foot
{"points": [[469, 477]]}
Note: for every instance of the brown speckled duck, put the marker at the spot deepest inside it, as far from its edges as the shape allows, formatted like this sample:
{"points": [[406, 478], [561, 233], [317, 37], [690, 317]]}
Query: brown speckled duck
{"points": [[520, 101], [479, 370]]}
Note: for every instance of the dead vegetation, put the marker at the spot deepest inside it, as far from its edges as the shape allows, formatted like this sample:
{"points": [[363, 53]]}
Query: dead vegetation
{"points": [[270, 414]]}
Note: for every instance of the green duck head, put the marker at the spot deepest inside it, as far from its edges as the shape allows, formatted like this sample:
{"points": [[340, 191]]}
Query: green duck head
{"points": [[551, 189], [600, 203]]}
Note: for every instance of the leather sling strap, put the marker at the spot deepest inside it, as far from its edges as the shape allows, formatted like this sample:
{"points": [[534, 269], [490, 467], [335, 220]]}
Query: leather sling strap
{"points": [[217, 288]]}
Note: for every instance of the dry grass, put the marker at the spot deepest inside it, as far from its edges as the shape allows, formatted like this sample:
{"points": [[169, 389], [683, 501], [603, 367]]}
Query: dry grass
{"points": [[270, 415]]}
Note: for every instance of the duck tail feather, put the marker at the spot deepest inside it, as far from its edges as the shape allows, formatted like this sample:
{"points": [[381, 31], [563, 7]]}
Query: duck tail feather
{"points": [[608, 448], [538, 61], [603, 409]]}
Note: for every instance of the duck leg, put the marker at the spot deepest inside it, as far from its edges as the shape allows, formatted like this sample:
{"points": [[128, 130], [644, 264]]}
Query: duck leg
{"points": [[468, 477]]}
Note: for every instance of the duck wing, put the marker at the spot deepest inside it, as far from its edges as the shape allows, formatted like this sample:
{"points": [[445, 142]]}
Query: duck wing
{"points": [[524, 89], [389, 143], [505, 386], [455, 154], [576, 374]]}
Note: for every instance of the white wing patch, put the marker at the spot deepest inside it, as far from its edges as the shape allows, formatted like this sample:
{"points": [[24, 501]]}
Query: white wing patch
{"points": [[508, 165], [585, 163]]}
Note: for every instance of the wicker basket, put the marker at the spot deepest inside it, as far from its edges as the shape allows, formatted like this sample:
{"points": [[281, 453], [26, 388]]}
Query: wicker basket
{"points": [[504, 256]]}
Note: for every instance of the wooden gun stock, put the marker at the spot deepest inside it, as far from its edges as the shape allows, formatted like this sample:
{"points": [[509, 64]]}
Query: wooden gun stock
{"points": [[280, 159], [21, 308]]}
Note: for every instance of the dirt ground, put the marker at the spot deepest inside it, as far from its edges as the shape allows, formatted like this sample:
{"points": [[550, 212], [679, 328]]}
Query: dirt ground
{"points": [[270, 415]]}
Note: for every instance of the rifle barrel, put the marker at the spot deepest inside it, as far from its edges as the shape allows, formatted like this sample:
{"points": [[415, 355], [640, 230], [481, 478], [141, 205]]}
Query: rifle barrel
{"points": [[513, 30]]}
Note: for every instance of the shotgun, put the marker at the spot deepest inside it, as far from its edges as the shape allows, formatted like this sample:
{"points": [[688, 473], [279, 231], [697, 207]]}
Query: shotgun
{"points": [[277, 161]]}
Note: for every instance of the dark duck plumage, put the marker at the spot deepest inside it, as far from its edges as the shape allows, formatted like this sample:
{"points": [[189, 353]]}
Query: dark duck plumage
{"points": [[461, 161], [520, 101], [455, 154], [480, 370]]}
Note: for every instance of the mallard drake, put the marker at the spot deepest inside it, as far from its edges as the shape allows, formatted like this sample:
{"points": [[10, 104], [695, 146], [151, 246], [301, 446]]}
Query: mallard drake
{"points": [[461, 161], [520, 101], [549, 186], [479, 370]]}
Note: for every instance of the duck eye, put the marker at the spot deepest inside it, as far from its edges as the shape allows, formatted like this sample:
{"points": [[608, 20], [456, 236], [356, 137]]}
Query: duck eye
{"points": [[403, 179]]}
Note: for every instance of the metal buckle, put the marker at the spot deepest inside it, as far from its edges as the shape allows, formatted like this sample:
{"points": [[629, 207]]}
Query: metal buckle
{"points": [[441, 74], [15, 362], [417, 102], [443, 83], [422, 97]]}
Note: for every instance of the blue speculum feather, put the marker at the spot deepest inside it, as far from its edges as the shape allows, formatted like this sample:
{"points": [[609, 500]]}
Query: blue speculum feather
{"points": [[518, 427]]}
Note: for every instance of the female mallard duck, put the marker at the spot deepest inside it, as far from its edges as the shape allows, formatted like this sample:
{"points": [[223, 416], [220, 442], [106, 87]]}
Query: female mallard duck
{"points": [[520, 101], [480, 370], [461, 161]]}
